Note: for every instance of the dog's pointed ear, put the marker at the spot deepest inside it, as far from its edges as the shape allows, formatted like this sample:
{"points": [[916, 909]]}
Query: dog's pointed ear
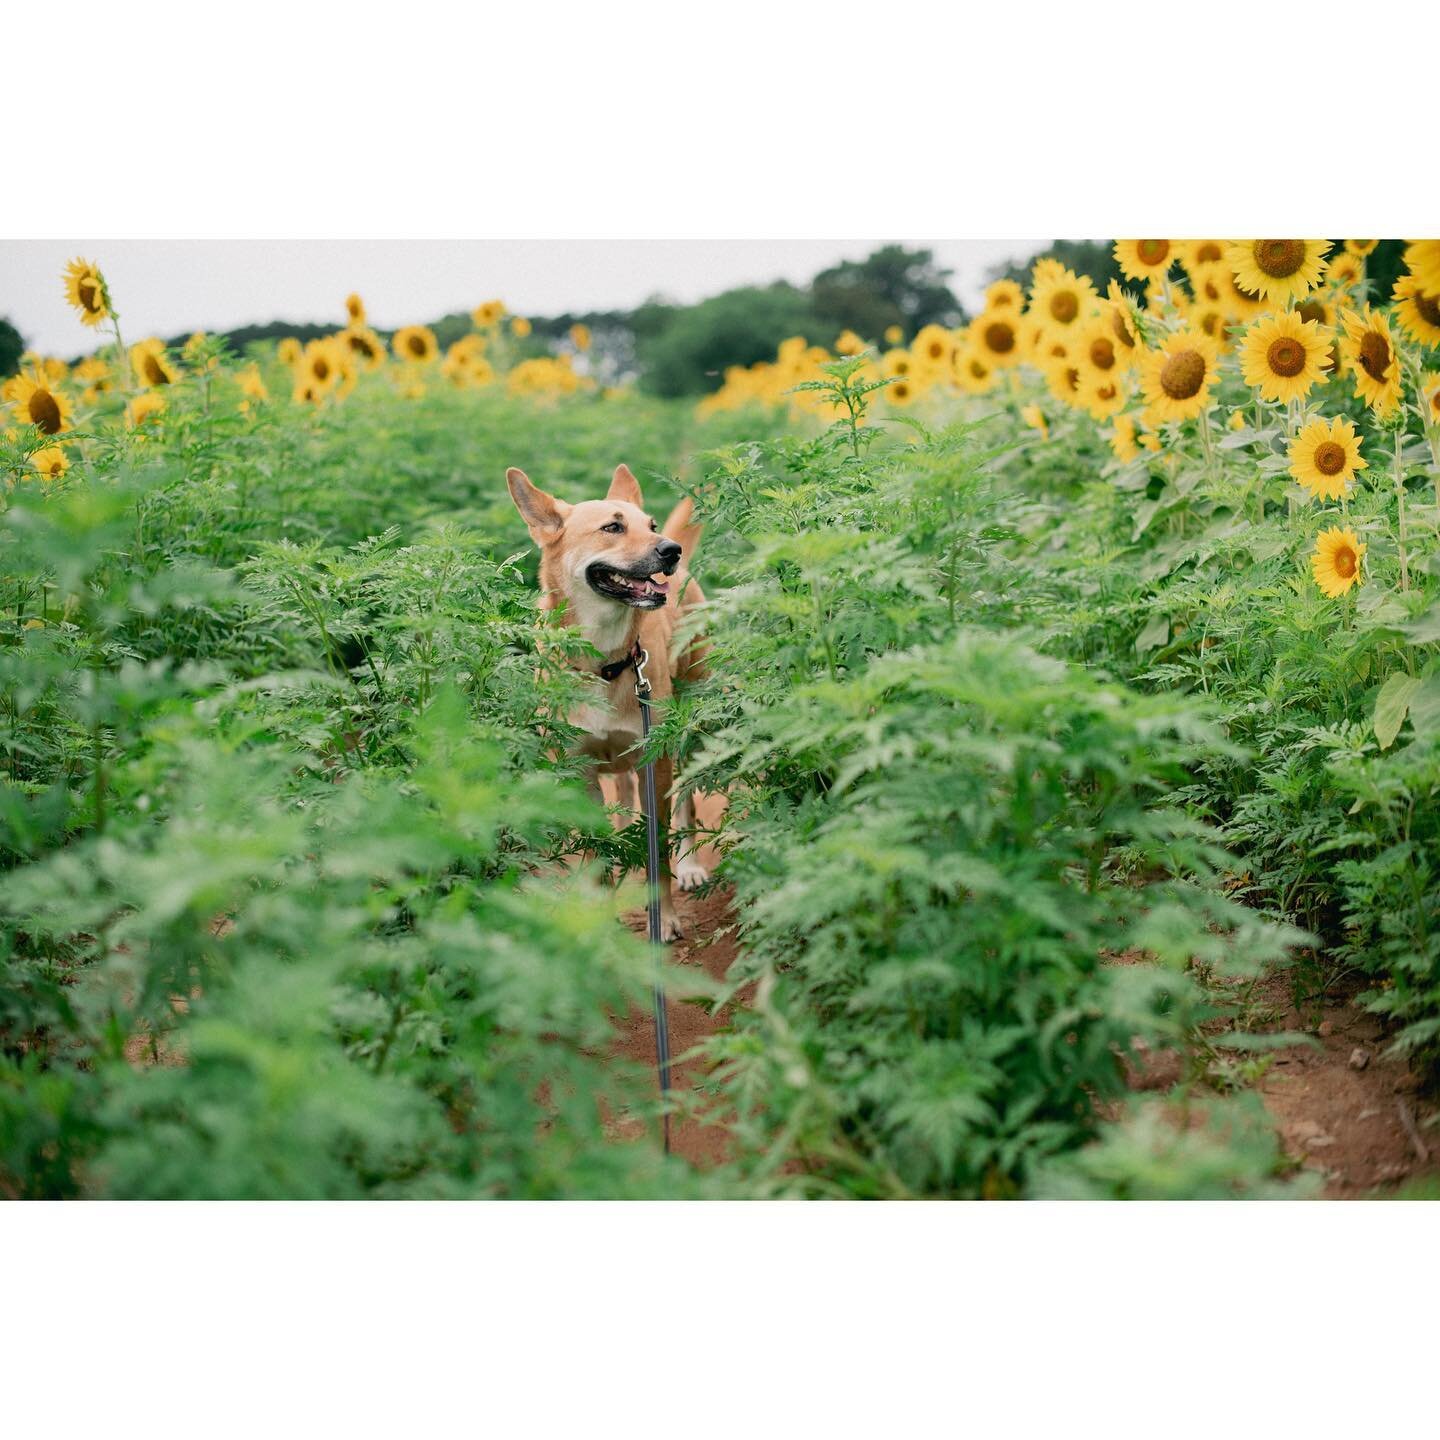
{"points": [[625, 487], [544, 514]]}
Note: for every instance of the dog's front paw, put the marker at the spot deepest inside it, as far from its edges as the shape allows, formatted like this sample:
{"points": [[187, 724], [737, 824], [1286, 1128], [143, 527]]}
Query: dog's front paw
{"points": [[670, 928], [690, 874]]}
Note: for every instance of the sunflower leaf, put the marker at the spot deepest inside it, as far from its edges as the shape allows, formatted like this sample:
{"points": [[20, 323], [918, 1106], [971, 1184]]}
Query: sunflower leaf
{"points": [[1392, 704]]}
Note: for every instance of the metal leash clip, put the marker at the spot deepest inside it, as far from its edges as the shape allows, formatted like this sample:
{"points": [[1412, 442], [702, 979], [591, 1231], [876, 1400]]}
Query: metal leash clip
{"points": [[642, 683]]}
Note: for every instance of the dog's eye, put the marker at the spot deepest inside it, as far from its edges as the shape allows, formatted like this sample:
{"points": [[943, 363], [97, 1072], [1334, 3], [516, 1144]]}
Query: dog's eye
{"points": [[653, 526], [613, 528]]}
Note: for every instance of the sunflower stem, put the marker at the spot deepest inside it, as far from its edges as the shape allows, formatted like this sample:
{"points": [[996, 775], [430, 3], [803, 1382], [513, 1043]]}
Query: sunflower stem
{"points": [[1400, 504]]}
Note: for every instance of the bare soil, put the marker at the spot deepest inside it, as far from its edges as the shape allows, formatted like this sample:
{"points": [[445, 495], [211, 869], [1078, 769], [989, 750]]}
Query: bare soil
{"points": [[1340, 1107]]}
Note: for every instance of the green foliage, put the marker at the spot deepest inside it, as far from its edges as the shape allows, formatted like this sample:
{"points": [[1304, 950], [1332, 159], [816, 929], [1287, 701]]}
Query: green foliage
{"points": [[942, 829], [291, 901]]}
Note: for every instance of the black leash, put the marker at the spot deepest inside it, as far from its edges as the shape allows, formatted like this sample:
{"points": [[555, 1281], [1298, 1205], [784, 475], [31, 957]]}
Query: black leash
{"points": [[639, 658]]}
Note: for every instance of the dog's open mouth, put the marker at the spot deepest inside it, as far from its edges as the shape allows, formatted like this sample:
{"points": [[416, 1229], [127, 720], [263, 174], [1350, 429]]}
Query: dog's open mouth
{"points": [[644, 592]]}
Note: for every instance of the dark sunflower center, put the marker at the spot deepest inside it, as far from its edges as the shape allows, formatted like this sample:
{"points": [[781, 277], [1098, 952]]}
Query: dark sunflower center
{"points": [[1183, 374], [155, 372], [936, 349], [1152, 252], [1121, 329], [1280, 258], [901, 389], [1344, 562], [1329, 458], [1429, 307], [1072, 379], [1207, 252], [1311, 310], [90, 295], [44, 411], [417, 345], [1000, 337], [321, 368], [978, 370], [1375, 356], [1285, 357], [1102, 354], [1211, 322], [1064, 306]]}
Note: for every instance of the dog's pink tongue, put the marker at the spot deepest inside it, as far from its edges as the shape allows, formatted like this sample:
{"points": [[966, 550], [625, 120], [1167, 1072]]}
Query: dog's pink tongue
{"points": [[661, 584]]}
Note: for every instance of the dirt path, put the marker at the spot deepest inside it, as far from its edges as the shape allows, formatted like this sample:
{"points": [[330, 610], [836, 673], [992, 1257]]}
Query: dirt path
{"points": [[708, 946], [1341, 1109]]}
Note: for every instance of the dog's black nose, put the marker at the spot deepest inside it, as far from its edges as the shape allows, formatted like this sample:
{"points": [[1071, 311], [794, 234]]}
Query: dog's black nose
{"points": [[669, 553]]}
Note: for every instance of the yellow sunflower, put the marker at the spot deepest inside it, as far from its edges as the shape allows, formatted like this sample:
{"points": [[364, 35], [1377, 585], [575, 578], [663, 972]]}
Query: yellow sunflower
{"points": [[896, 363], [85, 290], [415, 343], [1423, 258], [1098, 353], [1324, 457], [899, 393], [1368, 351], [1004, 295], [580, 339], [151, 364], [846, 343], [51, 462], [491, 313], [144, 408], [1336, 561], [365, 346], [39, 401], [1417, 311], [1118, 310], [1122, 439], [995, 336], [1360, 247], [1283, 356], [95, 374], [252, 385], [933, 347], [1240, 303], [1176, 378], [48, 365], [520, 327], [1101, 395], [1197, 254], [973, 371], [1145, 259], [1062, 379], [1060, 298], [355, 310], [1346, 270], [894, 334], [319, 370], [1034, 417], [1431, 391], [1215, 323], [1277, 270], [289, 351]]}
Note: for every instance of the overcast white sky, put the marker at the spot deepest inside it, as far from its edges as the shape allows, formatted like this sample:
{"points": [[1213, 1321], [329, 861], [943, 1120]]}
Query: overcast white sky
{"points": [[166, 287]]}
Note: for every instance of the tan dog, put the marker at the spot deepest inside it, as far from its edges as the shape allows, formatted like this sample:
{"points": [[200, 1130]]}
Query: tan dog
{"points": [[621, 579]]}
